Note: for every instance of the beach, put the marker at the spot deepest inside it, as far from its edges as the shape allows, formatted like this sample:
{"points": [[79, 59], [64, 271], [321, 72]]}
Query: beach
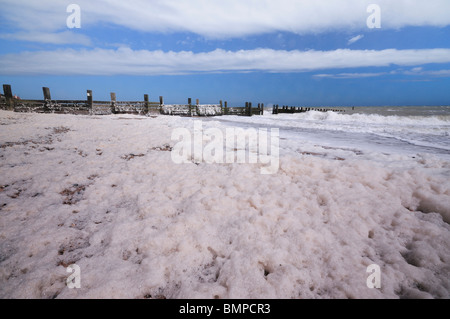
{"points": [[350, 190]]}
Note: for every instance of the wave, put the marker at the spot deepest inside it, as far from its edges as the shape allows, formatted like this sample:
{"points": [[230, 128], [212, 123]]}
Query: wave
{"points": [[360, 118], [365, 123]]}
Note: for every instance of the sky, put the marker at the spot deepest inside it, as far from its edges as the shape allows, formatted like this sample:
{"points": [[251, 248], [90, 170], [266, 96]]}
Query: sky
{"points": [[286, 52]]}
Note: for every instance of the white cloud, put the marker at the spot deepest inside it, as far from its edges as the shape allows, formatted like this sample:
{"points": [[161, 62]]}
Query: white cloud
{"points": [[143, 62], [65, 37], [440, 73], [355, 39], [349, 75], [227, 19], [418, 71]]}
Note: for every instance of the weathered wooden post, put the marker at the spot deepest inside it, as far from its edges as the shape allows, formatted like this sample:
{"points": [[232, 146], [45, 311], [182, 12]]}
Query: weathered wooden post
{"points": [[113, 102], [7, 91], [46, 92], [221, 107], [90, 101], [249, 108], [226, 108], [146, 104], [197, 110], [262, 108], [190, 106], [9, 97], [47, 97], [161, 104]]}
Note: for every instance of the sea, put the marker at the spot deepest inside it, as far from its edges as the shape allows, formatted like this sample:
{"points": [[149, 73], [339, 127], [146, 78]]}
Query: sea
{"points": [[387, 129]]}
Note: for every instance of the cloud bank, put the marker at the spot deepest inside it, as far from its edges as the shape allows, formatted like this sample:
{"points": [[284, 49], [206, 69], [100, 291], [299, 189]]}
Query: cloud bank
{"points": [[125, 61], [225, 19]]}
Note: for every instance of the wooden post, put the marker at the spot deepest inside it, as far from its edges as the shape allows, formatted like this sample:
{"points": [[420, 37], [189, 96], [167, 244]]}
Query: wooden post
{"points": [[161, 103], [249, 108], [47, 98], [262, 108], [146, 104], [226, 108], [190, 106], [8, 95], [46, 92], [197, 110], [90, 101], [7, 91], [113, 102]]}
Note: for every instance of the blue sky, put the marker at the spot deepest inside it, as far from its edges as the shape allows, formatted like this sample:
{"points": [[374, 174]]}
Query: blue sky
{"points": [[296, 52]]}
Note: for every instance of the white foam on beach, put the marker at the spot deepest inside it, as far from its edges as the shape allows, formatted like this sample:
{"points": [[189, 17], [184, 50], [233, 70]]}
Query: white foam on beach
{"points": [[103, 192]]}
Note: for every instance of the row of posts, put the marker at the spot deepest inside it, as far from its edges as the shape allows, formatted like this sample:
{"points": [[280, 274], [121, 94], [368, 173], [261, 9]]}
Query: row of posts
{"points": [[249, 110], [90, 101], [146, 101], [225, 110], [293, 109], [287, 109]]}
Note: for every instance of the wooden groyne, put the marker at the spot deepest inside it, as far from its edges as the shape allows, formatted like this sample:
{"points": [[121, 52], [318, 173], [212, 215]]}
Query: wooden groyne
{"points": [[296, 109], [146, 107]]}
